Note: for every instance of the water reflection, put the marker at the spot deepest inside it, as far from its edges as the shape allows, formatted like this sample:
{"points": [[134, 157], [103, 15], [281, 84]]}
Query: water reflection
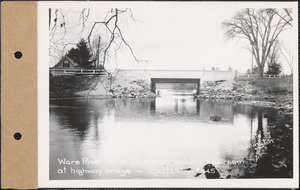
{"points": [[169, 132], [184, 105]]}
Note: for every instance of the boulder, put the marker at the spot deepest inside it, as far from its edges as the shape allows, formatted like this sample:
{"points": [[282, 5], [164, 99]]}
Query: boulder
{"points": [[211, 172], [215, 118]]}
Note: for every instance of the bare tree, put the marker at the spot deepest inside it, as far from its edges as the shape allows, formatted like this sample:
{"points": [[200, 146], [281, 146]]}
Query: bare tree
{"points": [[286, 53], [102, 44], [274, 62], [59, 30], [115, 34], [261, 28], [274, 54]]}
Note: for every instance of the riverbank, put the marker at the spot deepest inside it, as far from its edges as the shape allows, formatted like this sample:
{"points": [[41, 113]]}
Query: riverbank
{"points": [[275, 159], [266, 92], [66, 87]]}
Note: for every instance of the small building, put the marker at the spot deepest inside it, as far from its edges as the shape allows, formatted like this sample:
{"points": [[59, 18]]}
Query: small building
{"points": [[67, 66], [66, 63]]}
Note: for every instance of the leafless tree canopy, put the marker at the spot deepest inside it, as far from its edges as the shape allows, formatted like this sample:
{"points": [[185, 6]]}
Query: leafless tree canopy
{"points": [[286, 53], [102, 44], [261, 28], [115, 33]]}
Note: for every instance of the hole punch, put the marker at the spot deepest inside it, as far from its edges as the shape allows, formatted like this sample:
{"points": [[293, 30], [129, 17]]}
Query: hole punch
{"points": [[18, 55], [17, 136]]}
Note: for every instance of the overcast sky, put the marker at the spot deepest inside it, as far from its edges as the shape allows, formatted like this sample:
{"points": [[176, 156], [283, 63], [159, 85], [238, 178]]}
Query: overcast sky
{"points": [[171, 35]]}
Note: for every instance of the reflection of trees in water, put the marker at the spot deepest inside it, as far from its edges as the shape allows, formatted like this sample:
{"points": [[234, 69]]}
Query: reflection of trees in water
{"points": [[260, 118], [78, 120], [197, 105], [81, 115], [153, 106], [259, 160], [176, 109], [183, 103]]}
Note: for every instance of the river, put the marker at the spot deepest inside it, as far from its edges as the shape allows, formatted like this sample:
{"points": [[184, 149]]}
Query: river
{"points": [[168, 137]]}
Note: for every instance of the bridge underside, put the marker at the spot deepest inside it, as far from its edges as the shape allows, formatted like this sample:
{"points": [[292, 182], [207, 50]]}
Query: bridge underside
{"points": [[175, 80]]}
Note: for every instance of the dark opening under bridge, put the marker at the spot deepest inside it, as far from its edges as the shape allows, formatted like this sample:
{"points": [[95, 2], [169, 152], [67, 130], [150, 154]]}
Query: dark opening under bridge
{"points": [[175, 80]]}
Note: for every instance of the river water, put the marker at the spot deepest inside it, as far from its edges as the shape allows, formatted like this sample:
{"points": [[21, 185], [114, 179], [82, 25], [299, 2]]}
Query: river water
{"points": [[167, 137]]}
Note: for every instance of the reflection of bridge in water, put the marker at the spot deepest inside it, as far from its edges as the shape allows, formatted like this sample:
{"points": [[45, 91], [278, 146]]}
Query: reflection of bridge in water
{"points": [[175, 109], [202, 109]]}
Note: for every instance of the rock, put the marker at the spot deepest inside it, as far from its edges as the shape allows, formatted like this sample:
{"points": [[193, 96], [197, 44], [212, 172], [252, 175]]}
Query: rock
{"points": [[238, 98], [230, 97], [211, 172], [215, 118]]}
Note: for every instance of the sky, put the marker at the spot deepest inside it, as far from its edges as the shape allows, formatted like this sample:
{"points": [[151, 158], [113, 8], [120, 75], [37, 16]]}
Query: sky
{"points": [[168, 35]]}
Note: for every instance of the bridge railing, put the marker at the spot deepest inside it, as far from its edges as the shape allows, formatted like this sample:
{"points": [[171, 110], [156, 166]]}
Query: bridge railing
{"points": [[257, 76], [78, 72]]}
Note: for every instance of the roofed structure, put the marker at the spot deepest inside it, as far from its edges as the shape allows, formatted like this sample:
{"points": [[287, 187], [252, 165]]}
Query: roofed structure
{"points": [[66, 63]]}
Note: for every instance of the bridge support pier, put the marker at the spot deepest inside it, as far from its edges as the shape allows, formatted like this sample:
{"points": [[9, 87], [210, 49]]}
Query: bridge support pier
{"points": [[153, 87], [198, 89]]}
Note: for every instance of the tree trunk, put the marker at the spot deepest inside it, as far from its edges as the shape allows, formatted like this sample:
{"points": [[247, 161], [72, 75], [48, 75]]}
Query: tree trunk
{"points": [[260, 71], [49, 18]]}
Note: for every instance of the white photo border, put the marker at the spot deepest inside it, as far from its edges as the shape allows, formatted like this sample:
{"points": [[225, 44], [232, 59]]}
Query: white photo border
{"points": [[43, 110]]}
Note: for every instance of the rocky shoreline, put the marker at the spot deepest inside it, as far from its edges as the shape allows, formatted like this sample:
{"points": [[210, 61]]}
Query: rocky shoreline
{"points": [[251, 93], [136, 89], [273, 101]]}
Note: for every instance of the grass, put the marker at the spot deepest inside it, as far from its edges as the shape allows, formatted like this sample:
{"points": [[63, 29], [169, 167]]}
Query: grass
{"points": [[270, 85]]}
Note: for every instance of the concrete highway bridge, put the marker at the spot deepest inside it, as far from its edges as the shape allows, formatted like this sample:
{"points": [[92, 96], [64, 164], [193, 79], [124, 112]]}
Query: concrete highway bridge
{"points": [[174, 76]]}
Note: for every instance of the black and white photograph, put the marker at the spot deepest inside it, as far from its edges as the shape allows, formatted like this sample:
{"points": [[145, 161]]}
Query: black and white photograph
{"points": [[194, 91]]}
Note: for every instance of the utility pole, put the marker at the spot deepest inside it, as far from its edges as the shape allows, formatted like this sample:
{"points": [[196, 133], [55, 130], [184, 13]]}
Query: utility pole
{"points": [[251, 58], [98, 51]]}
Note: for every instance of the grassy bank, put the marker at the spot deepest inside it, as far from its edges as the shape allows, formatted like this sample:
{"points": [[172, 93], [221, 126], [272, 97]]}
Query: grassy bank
{"points": [[264, 85], [68, 86], [270, 92]]}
